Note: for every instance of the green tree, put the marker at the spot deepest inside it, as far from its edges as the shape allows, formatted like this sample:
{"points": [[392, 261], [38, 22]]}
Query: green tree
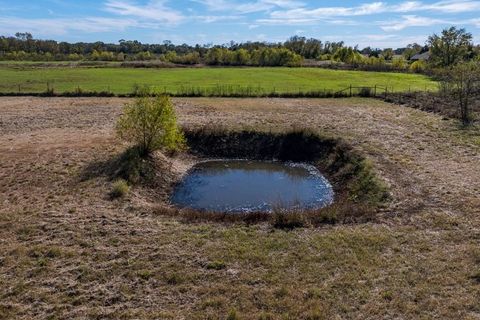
{"points": [[388, 53], [242, 57], [418, 66], [399, 63], [411, 50], [348, 55], [451, 47], [214, 56], [151, 124]]}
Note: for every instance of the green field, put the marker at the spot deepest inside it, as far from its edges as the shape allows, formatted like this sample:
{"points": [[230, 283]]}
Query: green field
{"points": [[179, 80]]}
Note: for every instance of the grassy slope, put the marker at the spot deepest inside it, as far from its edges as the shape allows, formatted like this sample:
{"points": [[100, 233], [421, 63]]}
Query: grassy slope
{"points": [[121, 80]]}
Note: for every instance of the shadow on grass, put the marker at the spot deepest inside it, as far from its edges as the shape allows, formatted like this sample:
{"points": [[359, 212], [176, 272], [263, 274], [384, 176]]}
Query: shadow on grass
{"points": [[129, 166]]}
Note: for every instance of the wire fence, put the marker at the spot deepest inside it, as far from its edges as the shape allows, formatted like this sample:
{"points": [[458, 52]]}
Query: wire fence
{"points": [[218, 90]]}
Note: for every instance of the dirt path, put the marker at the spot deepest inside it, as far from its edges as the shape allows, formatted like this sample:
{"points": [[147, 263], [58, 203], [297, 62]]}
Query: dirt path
{"points": [[431, 166]]}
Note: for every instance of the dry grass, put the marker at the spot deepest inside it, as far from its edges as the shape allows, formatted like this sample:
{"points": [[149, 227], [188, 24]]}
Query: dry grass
{"points": [[68, 251]]}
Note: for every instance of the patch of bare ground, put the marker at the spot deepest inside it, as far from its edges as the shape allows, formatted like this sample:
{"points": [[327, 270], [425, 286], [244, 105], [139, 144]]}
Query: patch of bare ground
{"points": [[68, 251]]}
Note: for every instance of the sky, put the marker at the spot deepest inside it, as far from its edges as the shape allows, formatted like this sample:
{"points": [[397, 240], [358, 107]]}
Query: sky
{"points": [[379, 24]]}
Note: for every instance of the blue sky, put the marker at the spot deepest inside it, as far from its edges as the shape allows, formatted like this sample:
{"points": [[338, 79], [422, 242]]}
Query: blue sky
{"points": [[376, 23]]}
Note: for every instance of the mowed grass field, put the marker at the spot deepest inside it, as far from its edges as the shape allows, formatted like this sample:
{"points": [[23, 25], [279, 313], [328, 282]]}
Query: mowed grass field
{"points": [[68, 251], [174, 81]]}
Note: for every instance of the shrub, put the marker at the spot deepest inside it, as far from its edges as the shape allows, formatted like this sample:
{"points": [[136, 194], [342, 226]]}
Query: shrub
{"points": [[120, 188], [151, 124], [366, 187], [418, 66], [288, 220], [232, 315], [216, 265], [174, 279], [399, 63], [365, 92]]}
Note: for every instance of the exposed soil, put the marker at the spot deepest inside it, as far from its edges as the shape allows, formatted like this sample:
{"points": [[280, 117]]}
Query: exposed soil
{"points": [[68, 251]]}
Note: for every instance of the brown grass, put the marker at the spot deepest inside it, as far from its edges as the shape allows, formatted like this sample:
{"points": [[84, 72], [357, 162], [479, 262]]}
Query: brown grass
{"points": [[68, 251]]}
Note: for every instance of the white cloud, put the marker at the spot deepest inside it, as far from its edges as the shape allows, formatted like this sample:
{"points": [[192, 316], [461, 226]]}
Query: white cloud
{"points": [[411, 21], [250, 7], [61, 26], [377, 40], [476, 22], [454, 6], [155, 10], [305, 15], [211, 19]]}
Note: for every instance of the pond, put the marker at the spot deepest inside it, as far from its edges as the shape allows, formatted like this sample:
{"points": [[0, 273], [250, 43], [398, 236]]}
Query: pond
{"points": [[249, 186]]}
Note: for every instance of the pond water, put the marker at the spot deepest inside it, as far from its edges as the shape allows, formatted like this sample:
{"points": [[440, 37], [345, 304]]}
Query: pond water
{"points": [[248, 186]]}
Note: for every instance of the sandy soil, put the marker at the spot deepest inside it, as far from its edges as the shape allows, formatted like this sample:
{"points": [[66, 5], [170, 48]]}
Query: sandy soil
{"points": [[68, 251]]}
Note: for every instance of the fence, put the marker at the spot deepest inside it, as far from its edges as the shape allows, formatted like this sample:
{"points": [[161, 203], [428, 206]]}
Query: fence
{"points": [[214, 91]]}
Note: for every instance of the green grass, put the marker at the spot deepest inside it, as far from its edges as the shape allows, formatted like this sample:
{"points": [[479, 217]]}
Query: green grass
{"points": [[174, 81]]}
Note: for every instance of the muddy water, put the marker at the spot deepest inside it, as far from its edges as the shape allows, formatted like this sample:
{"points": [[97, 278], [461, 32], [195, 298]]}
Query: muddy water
{"points": [[246, 186]]}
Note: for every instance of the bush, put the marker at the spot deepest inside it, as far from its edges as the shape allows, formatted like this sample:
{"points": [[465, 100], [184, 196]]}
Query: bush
{"points": [[216, 265], [365, 92], [120, 189], [399, 63], [151, 124], [418, 66], [232, 315], [288, 220]]}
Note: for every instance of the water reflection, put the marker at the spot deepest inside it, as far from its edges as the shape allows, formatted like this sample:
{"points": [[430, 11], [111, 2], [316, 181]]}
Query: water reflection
{"points": [[245, 186]]}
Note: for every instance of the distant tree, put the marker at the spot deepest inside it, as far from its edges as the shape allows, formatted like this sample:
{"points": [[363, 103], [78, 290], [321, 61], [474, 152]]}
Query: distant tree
{"points": [[388, 54], [296, 44], [451, 47], [242, 57], [214, 56], [23, 36], [348, 55], [309, 49], [411, 50], [399, 63], [312, 49]]}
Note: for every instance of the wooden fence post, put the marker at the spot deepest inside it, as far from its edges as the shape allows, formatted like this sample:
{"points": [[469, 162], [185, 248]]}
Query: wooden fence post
{"points": [[350, 90], [375, 92]]}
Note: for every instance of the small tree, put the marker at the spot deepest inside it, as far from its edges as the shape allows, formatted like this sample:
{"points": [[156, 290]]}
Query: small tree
{"points": [[462, 82], [151, 124]]}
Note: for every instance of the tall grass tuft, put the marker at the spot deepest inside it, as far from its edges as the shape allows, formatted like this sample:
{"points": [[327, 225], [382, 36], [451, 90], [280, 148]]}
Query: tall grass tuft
{"points": [[288, 219], [119, 189]]}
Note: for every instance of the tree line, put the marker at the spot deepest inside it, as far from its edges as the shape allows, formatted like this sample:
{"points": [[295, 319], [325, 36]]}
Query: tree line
{"points": [[24, 47], [446, 49]]}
